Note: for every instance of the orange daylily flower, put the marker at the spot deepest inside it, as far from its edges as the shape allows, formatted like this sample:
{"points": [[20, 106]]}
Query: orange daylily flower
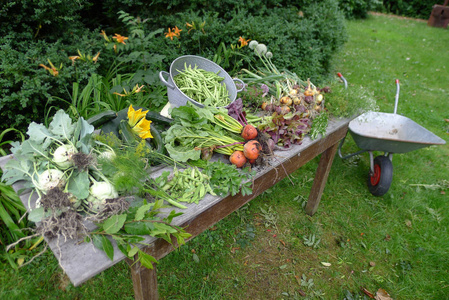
{"points": [[120, 38], [73, 58], [95, 58], [137, 89], [177, 31], [170, 34], [191, 26], [53, 71], [243, 42], [105, 36]]}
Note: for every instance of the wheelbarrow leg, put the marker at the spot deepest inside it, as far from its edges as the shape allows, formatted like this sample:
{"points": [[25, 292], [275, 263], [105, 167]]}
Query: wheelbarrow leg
{"points": [[322, 172]]}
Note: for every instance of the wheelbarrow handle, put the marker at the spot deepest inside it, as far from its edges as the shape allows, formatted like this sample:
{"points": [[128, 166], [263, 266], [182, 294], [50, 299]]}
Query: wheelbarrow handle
{"points": [[344, 79], [396, 98]]}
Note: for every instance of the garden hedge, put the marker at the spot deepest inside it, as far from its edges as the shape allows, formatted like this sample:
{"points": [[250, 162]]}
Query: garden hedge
{"points": [[36, 34]]}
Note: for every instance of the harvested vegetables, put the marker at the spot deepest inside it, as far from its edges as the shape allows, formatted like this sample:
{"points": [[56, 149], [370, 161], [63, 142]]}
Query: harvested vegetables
{"points": [[203, 86], [189, 185], [238, 159]]}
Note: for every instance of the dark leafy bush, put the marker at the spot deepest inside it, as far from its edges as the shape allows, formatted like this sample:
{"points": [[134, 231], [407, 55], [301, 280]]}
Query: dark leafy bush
{"points": [[410, 8], [41, 19], [26, 88], [358, 9], [302, 40]]}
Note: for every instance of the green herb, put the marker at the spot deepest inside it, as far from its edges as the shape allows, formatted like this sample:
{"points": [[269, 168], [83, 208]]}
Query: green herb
{"points": [[227, 179], [319, 126]]}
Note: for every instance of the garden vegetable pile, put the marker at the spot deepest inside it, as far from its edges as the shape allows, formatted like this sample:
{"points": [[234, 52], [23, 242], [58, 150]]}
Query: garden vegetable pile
{"points": [[104, 174]]}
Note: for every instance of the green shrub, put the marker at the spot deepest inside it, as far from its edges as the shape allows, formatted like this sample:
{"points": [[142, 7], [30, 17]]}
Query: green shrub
{"points": [[41, 19], [26, 88], [358, 9], [410, 8], [303, 40]]}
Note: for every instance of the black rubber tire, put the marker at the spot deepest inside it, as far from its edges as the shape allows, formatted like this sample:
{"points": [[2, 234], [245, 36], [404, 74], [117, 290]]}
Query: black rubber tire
{"points": [[379, 183]]}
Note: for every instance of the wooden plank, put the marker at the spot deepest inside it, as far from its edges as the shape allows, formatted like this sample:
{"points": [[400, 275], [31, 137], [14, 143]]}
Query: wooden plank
{"points": [[82, 261], [144, 281], [322, 172]]}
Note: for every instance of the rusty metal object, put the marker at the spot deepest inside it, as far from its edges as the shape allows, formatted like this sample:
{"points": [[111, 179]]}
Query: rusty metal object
{"points": [[439, 16]]}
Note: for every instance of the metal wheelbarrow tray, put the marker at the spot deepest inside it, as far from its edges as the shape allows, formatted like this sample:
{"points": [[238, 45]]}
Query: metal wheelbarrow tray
{"points": [[389, 133]]}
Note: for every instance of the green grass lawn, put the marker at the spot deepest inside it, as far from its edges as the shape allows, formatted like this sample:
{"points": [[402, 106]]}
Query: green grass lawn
{"points": [[270, 249]]}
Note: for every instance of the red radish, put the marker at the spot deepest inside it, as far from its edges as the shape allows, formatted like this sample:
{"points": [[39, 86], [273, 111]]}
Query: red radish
{"points": [[249, 132], [238, 159], [252, 149]]}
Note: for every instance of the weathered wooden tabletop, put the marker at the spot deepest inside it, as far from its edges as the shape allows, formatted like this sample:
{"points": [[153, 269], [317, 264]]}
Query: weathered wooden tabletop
{"points": [[82, 261]]}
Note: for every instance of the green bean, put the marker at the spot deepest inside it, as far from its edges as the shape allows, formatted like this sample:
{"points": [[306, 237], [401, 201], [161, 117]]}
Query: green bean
{"points": [[200, 85]]}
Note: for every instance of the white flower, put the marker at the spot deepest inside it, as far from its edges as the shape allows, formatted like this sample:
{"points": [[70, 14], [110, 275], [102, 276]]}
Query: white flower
{"points": [[253, 44], [269, 55], [261, 49]]}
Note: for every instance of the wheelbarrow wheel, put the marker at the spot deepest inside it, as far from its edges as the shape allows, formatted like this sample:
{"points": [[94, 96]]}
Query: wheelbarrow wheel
{"points": [[380, 181]]}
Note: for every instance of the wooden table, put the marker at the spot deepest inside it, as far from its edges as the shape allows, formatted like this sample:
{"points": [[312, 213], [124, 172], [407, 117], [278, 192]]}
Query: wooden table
{"points": [[82, 261]]}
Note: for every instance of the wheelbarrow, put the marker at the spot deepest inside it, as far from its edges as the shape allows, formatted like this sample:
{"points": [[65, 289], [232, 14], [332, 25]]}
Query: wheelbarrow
{"points": [[388, 133]]}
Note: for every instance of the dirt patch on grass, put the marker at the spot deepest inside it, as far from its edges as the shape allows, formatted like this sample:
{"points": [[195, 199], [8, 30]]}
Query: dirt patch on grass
{"points": [[395, 16]]}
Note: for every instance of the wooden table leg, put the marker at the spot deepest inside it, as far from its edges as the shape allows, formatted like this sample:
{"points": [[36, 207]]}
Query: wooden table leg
{"points": [[144, 281], [322, 172]]}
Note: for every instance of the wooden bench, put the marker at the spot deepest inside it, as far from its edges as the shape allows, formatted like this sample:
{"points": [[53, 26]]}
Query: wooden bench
{"points": [[82, 261]]}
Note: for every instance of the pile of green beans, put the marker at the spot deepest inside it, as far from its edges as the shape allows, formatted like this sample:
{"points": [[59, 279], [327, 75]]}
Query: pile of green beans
{"points": [[203, 86]]}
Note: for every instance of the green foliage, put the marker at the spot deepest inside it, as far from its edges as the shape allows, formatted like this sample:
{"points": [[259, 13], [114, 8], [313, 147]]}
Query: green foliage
{"points": [[26, 88], [11, 210], [304, 42], [42, 19], [358, 9], [411, 8]]}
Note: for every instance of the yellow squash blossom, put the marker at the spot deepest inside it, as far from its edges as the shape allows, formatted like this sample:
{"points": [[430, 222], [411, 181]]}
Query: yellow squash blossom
{"points": [[120, 39], [134, 116], [143, 129], [138, 123]]}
